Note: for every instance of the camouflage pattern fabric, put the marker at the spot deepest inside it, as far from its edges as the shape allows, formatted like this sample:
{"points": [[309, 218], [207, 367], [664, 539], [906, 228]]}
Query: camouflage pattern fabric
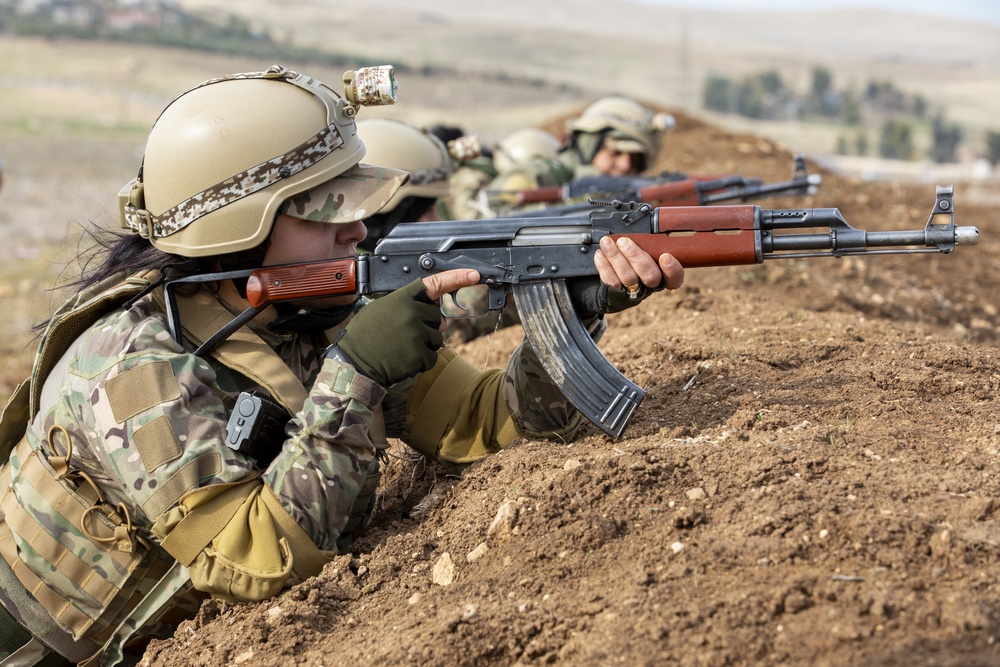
{"points": [[570, 157], [464, 187], [354, 195], [545, 405], [322, 465], [537, 172]]}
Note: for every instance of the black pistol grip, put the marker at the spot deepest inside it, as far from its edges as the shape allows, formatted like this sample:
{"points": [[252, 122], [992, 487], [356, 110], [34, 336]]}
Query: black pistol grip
{"points": [[571, 357]]}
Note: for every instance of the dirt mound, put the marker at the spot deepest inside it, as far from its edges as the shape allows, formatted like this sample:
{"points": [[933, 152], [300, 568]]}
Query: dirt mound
{"points": [[811, 480]]}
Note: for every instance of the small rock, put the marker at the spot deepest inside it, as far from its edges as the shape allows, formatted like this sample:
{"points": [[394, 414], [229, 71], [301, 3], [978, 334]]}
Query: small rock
{"points": [[697, 493], [243, 657], [503, 522], [571, 464], [444, 570], [477, 553]]}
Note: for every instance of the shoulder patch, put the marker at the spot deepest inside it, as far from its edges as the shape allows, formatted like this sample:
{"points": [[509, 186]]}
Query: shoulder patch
{"points": [[138, 389], [157, 443]]}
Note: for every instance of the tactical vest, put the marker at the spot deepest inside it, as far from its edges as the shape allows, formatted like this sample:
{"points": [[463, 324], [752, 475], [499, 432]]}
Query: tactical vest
{"points": [[49, 511], [83, 562]]}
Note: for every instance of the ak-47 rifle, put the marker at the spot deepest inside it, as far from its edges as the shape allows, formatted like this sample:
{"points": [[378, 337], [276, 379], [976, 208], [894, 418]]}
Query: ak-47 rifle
{"points": [[661, 191], [533, 258]]}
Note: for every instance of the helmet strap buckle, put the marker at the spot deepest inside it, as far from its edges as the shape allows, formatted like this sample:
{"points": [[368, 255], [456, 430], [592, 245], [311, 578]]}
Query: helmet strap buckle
{"points": [[143, 222]]}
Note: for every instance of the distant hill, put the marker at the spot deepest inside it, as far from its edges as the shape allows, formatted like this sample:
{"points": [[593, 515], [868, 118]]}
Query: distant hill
{"points": [[655, 53]]}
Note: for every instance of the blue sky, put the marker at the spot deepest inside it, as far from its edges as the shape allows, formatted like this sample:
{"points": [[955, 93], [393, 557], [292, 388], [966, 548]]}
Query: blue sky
{"points": [[976, 10]]}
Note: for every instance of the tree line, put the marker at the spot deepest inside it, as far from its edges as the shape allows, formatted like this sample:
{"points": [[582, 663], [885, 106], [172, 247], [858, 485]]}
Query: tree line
{"points": [[897, 115]]}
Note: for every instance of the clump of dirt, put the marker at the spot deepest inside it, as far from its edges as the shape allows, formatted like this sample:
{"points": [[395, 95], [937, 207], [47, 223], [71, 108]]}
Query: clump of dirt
{"points": [[811, 480]]}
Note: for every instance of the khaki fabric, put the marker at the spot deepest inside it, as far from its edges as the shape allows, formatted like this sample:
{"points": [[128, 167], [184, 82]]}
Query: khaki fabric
{"points": [[457, 414], [14, 419], [237, 542]]}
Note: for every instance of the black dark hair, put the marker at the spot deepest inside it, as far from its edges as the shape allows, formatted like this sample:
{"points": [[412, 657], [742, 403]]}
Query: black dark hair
{"points": [[446, 133], [113, 252]]}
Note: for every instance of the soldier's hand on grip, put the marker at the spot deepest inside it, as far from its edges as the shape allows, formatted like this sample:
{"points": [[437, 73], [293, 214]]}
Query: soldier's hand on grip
{"points": [[398, 335]]}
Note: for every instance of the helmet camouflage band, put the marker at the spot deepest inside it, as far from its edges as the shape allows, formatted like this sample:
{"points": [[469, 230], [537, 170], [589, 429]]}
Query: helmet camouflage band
{"points": [[222, 158]]}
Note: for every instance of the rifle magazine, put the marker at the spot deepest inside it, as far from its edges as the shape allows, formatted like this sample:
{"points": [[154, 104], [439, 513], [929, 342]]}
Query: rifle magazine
{"points": [[571, 357]]}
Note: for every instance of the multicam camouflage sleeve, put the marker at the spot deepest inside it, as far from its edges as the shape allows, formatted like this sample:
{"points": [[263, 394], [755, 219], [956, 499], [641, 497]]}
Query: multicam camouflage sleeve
{"points": [[328, 452]]}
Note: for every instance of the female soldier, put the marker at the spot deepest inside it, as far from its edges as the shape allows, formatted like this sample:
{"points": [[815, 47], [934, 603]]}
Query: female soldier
{"points": [[130, 492]]}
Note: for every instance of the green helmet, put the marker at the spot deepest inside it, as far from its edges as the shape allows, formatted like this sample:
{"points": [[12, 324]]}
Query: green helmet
{"points": [[628, 125], [224, 156], [520, 148]]}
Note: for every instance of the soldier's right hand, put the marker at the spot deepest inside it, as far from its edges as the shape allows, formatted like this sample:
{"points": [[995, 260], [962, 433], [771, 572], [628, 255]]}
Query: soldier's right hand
{"points": [[398, 335]]}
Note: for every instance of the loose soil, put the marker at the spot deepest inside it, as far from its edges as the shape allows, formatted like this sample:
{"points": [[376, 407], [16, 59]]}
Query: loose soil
{"points": [[811, 480]]}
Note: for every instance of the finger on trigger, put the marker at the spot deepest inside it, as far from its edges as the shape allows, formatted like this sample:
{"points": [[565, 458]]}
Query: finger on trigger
{"points": [[439, 284]]}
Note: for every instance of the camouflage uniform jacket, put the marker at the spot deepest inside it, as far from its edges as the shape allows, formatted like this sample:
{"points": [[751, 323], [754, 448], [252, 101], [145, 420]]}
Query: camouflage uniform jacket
{"points": [[147, 421]]}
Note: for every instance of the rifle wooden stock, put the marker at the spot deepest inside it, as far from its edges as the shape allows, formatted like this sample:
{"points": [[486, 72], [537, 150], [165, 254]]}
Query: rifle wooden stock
{"points": [[302, 281]]}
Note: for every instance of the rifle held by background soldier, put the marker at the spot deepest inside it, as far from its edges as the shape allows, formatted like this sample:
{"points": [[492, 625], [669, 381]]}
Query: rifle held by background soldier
{"points": [[663, 190], [534, 258]]}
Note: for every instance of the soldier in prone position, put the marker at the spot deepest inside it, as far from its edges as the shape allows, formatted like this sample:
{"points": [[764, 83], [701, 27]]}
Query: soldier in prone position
{"points": [[137, 479], [614, 136]]}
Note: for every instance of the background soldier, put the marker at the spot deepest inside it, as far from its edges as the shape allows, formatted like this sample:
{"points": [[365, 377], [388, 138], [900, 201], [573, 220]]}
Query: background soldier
{"points": [[528, 159], [614, 136], [430, 161]]}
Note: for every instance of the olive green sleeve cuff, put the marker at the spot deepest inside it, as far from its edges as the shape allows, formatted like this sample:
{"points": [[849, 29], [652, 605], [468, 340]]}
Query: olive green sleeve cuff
{"points": [[344, 380]]}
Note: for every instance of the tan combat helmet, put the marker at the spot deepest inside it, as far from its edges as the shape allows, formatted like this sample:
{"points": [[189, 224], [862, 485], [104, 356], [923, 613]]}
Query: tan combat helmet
{"points": [[629, 126], [520, 148], [224, 156], [430, 162]]}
